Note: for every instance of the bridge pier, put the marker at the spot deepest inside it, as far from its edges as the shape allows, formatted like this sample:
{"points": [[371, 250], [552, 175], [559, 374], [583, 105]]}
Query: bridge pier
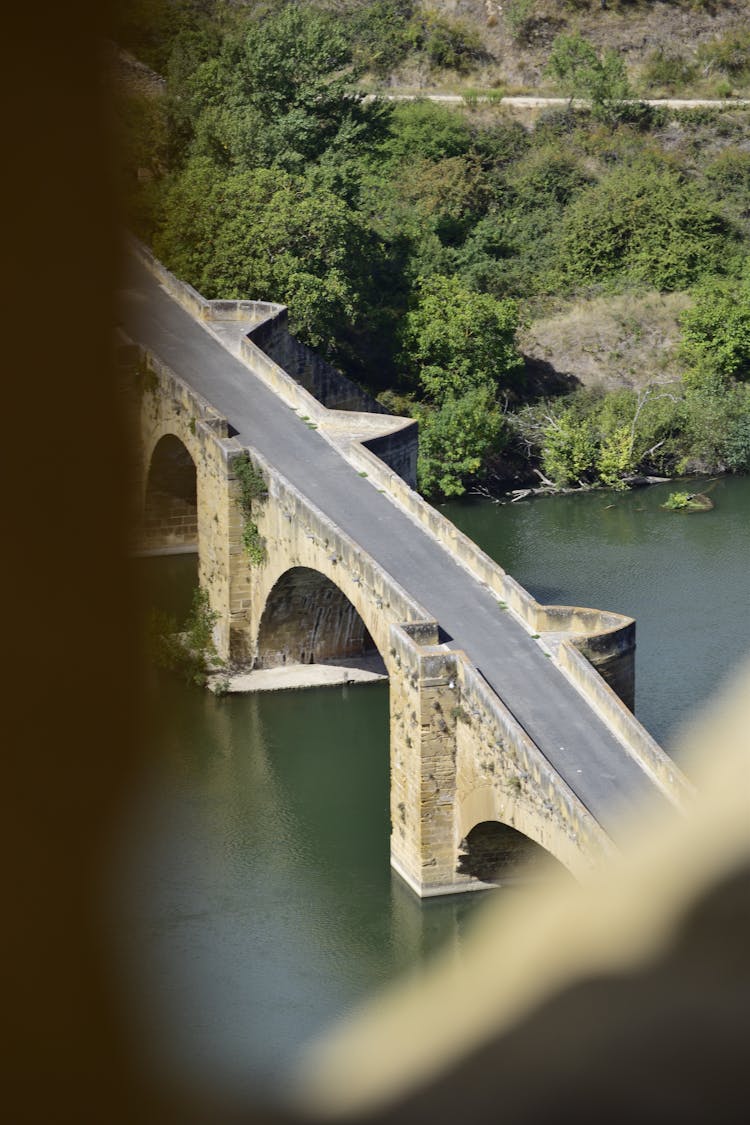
{"points": [[424, 707], [459, 757]]}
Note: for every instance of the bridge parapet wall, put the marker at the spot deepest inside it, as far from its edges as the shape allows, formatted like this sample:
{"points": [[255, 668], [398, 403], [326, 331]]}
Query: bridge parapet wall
{"points": [[309, 370], [459, 758], [612, 630], [303, 380], [299, 534], [606, 639], [634, 736]]}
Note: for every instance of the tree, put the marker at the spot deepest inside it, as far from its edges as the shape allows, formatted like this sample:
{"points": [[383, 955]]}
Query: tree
{"points": [[423, 129], [456, 438], [716, 330], [279, 93], [295, 71], [642, 223], [569, 448], [382, 33], [262, 234], [455, 339], [459, 347], [717, 426], [581, 72]]}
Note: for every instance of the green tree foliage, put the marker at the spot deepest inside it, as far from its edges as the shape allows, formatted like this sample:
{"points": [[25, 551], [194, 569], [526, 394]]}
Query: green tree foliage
{"points": [[456, 438], [450, 44], [402, 236], [644, 224], [592, 437], [716, 435], [279, 93], [263, 234], [455, 340], [148, 28], [449, 194], [569, 448], [293, 71], [581, 72], [716, 330], [459, 352], [729, 177], [422, 129], [382, 34], [189, 649]]}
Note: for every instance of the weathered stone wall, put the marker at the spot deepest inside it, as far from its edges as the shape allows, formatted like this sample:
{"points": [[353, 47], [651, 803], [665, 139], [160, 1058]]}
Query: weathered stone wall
{"points": [[423, 761], [503, 776], [634, 736], [398, 450], [299, 535], [458, 758], [168, 408], [170, 517], [168, 522], [308, 620], [318, 377], [303, 380]]}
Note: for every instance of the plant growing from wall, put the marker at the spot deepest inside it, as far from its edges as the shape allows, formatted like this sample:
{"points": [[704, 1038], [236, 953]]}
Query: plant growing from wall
{"points": [[189, 650], [146, 378], [252, 490]]}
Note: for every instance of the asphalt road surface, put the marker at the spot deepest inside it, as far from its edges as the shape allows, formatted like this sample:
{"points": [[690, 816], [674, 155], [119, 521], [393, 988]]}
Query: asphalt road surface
{"points": [[570, 734]]}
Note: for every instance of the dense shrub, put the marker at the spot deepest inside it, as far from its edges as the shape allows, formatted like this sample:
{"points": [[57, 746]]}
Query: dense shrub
{"points": [[667, 71], [398, 233], [716, 330], [644, 225]]}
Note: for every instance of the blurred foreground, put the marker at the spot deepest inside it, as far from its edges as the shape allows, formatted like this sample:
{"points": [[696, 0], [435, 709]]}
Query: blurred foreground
{"points": [[628, 999]]}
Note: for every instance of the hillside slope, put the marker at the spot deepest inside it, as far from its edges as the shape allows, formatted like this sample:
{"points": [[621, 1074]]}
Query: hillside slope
{"points": [[682, 46]]}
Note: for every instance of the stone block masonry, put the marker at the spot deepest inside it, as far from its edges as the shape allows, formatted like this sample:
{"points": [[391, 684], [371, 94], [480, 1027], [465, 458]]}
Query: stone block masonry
{"points": [[458, 757]]}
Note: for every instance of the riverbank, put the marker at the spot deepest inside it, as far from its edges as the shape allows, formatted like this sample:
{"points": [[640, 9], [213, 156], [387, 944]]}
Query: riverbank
{"points": [[357, 670]]}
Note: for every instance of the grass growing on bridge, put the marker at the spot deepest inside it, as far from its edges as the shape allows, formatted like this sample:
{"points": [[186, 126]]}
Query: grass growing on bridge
{"points": [[252, 490]]}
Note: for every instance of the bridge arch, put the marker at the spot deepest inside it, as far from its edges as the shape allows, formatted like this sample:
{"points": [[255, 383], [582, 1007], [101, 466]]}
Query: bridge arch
{"points": [[311, 605], [308, 619], [494, 852], [170, 495], [503, 825]]}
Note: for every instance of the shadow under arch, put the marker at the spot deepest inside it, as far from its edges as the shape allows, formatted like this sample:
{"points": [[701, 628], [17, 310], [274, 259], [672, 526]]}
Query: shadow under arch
{"points": [[307, 619], [496, 853], [170, 506]]}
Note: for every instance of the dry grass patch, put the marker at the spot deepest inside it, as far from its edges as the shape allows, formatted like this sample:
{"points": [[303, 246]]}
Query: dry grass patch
{"points": [[610, 342]]}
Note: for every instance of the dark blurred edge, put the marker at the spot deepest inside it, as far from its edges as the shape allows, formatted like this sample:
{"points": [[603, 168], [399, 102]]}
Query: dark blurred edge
{"points": [[71, 750], [70, 688]]}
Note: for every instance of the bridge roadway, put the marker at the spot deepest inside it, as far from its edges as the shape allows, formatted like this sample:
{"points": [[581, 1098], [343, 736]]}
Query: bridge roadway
{"points": [[570, 734]]}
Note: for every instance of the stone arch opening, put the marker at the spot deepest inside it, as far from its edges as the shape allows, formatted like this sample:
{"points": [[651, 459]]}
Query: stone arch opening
{"points": [[171, 502], [307, 619], [495, 853]]}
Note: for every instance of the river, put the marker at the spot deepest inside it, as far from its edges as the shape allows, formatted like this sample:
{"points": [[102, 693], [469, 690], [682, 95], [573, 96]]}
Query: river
{"points": [[258, 904]]}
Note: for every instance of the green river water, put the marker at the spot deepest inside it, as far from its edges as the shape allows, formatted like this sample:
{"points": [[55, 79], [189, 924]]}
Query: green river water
{"points": [[259, 902]]}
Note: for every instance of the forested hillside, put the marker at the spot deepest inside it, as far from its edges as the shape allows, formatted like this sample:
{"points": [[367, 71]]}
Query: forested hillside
{"points": [[569, 295]]}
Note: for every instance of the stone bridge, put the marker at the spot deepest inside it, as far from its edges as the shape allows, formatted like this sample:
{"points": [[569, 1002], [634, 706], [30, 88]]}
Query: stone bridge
{"points": [[509, 729]]}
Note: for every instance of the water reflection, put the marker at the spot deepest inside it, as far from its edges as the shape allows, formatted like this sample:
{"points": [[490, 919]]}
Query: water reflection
{"points": [[260, 901]]}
